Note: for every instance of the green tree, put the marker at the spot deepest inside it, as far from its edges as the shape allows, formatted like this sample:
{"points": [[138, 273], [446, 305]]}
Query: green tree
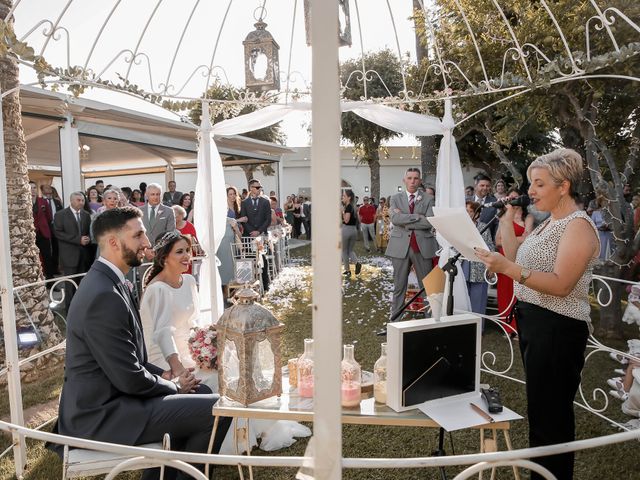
{"points": [[596, 117], [229, 106], [383, 78], [428, 145]]}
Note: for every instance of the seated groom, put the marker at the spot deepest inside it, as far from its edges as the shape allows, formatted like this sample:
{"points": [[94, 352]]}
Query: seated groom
{"points": [[111, 393]]}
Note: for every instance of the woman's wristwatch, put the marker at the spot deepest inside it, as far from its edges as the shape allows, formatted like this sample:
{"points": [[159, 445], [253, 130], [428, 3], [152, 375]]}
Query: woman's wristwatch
{"points": [[525, 273]]}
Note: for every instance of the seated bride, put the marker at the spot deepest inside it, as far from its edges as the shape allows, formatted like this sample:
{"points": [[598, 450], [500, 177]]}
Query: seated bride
{"points": [[169, 312]]}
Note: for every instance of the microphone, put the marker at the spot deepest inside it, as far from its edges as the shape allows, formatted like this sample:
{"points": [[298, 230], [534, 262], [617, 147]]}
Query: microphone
{"points": [[521, 201]]}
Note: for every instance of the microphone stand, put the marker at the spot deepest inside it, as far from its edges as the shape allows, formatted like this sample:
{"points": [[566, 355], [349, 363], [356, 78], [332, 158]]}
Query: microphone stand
{"points": [[452, 269]]}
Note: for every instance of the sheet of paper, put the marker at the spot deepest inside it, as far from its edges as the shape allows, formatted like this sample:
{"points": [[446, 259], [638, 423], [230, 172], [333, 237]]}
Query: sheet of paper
{"points": [[457, 414], [456, 227]]}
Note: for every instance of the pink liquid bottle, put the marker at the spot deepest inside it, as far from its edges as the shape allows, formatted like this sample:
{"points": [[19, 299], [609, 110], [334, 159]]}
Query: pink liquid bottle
{"points": [[305, 370], [351, 379]]}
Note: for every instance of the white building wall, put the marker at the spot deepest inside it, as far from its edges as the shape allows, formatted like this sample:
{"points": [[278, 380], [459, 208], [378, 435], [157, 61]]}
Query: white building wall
{"points": [[296, 168], [131, 181], [297, 174]]}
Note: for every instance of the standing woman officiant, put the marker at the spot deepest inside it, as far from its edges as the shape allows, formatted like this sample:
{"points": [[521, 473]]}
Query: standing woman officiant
{"points": [[552, 269]]}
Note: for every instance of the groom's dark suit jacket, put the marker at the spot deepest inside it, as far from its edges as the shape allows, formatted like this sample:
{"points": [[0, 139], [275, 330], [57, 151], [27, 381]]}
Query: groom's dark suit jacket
{"points": [[107, 376]]}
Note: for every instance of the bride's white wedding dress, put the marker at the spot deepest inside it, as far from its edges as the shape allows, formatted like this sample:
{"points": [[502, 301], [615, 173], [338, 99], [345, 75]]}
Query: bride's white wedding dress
{"points": [[168, 315]]}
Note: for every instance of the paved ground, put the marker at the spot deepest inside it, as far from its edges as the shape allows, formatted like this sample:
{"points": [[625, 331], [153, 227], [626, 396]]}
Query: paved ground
{"points": [[297, 243]]}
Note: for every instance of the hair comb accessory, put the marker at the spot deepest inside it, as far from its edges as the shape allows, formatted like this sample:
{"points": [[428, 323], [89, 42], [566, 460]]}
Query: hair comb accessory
{"points": [[166, 239]]}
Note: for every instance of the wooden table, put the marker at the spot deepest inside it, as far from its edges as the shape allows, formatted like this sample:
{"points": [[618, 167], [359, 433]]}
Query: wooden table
{"points": [[290, 406]]}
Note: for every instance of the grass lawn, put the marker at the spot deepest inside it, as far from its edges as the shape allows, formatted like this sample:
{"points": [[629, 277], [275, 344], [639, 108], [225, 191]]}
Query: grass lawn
{"points": [[365, 309]]}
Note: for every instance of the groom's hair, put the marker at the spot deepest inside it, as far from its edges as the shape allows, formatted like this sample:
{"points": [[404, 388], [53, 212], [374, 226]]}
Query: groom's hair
{"points": [[114, 220]]}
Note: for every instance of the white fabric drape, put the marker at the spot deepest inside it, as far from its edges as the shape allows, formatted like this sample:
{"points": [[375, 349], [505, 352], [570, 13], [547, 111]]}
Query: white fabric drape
{"points": [[210, 217], [450, 194], [210, 205]]}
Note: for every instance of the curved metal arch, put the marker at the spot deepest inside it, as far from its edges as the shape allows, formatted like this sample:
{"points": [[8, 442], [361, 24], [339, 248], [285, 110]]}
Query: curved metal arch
{"points": [[528, 89], [142, 34], [605, 25], [435, 43], [215, 47], [13, 9], [143, 462], [475, 42], [364, 82], [278, 461], [55, 26], [99, 34], [576, 69], [35, 27], [293, 26], [395, 33], [175, 54], [513, 37], [623, 16]]}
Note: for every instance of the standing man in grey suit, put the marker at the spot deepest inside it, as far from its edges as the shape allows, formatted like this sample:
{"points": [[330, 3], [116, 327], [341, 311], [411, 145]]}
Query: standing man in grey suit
{"points": [[111, 393], [172, 196], [411, 241], [157, 218], [71, 227]]}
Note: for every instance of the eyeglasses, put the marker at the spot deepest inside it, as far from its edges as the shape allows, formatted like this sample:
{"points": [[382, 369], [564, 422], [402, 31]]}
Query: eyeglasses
{"points": [[256, 186]]}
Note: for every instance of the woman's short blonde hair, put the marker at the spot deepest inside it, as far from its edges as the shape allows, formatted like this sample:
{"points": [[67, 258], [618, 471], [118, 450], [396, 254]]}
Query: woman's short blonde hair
{"points": [[178, 209], [562, 164]]}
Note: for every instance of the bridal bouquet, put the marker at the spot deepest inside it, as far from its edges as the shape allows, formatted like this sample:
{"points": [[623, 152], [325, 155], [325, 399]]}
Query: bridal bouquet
{"points": [[203, 347]]}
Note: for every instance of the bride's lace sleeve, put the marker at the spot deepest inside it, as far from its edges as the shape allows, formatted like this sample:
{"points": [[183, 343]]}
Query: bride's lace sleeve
{"points": [[159, 303]]}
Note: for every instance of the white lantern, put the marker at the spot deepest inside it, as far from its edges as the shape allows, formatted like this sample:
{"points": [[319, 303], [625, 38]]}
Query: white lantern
{"points": [[249, 340], [261, 61]]}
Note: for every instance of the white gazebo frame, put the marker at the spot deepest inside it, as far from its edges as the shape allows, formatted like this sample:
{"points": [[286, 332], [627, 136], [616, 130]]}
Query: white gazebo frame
{"points": [[326, 308]]}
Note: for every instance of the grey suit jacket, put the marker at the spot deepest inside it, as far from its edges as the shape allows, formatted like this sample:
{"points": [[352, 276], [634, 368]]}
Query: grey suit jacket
{"points": [[487, 214], [72, 253], [170, 199], [404, 223], [165, 222], [306, 209], [107, 376]]}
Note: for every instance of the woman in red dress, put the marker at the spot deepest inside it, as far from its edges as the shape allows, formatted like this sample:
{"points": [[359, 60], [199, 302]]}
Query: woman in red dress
{"points": [[185, 227], [506, 299]]}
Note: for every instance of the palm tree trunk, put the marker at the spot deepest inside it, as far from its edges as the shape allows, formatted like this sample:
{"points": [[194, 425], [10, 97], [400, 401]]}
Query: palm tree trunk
{"points": [[248, 172], [428, 146], [374, 172], [25, 257]]}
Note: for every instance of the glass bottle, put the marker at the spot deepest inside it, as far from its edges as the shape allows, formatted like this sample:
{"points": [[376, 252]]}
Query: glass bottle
{"points": [[351, 379], [380, 377], [305, 370]]}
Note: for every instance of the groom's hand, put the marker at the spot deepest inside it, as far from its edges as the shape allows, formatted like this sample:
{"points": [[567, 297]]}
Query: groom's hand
{"points": [[187, 381]]}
